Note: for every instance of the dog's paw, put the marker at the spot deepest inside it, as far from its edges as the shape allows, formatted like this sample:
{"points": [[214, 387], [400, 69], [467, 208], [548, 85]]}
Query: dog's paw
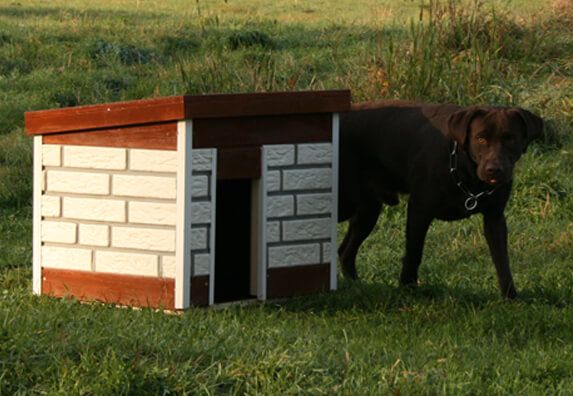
{"points": [[510, 294], [349, 273], [408, 281]]}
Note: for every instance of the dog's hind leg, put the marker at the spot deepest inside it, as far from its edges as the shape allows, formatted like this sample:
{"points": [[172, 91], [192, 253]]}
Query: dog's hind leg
{"points": [[360, 226]]}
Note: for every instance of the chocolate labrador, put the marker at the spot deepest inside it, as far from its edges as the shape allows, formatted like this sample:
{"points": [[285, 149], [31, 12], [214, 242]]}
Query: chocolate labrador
{"points": [[452, 161]]}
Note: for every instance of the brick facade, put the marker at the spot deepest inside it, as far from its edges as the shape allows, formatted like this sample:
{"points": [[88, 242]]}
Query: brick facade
{"points": [[108, 210], [299, 204], [113, 210]]}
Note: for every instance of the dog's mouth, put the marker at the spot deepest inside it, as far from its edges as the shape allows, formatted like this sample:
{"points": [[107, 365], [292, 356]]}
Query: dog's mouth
{"points": [[495, 181], [496, 177]]}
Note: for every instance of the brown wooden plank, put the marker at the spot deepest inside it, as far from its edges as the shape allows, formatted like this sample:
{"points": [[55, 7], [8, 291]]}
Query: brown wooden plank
{"points": [[176, 108], [256, 131], [200, 290], [105, 115], [298, 280], [129, 290], [239, 163], [267, 103], [154, 136]]}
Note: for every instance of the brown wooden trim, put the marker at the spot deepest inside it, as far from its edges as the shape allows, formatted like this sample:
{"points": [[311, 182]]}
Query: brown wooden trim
{"points": [[200, 290], [140, 291], [154, 136], [177, 108], [255, 131], [267, 103], [105, 115], [239, 163], [298, 280]]}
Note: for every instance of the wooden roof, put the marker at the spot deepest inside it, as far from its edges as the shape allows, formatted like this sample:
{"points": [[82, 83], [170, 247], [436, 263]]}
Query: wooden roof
{"points": [[176, 108]]}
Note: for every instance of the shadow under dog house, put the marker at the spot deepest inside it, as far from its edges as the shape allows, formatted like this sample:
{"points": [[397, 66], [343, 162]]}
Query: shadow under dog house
{"points": [[187, 200]]}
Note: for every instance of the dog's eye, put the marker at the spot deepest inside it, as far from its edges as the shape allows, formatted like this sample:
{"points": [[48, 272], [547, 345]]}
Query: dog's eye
{"points": [[482, 140]]}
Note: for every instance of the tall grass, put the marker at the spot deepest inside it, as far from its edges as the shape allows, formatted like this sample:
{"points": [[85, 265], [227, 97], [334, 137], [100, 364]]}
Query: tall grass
{"points": [[461, 53]]}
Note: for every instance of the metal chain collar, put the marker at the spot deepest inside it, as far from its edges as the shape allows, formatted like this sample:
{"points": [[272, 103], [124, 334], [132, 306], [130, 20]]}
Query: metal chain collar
{"points": [[472, 199]]}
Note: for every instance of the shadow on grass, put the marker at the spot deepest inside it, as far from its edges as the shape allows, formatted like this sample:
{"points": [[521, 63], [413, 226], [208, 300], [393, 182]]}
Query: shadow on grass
{"points": [[383, 297], [359, 296]]}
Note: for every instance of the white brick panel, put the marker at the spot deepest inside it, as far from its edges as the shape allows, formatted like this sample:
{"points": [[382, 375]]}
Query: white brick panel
{"points": [[273, 231], [152, 213], [202, 159], [304, 179], [198, 238], [94, 235], [78, 182], [199, 186], [319, 153], [273, 180], [298, 230], [51, 155], [280, 155], [94, 209], [282, 256], [59, 231], [168, 266], [201, 264], [126, 263], [326, 252], [144, 186], [200, 212], [143, 238], [51, 206], [153, 160], [280, 206], [95, 157], [308, 204], [66, 258]]}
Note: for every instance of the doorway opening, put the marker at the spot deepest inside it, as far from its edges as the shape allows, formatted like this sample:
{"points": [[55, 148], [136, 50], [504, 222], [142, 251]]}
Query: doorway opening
{"points": [[233, 240]]}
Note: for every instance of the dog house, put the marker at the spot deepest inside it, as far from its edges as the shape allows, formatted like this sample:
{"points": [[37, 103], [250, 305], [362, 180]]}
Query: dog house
{"points": [[187, 200]]}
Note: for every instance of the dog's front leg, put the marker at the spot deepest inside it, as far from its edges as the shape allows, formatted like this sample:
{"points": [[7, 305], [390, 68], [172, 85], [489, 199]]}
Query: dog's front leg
{"points": [[416, 228], [495, 230]]}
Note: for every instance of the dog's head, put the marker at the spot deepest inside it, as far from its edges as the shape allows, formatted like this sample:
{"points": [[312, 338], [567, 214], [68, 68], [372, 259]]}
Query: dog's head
{"points": [[494, 138]]}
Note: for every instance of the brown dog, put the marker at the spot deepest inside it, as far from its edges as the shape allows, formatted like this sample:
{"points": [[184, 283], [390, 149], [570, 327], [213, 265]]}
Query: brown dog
{"points": [[452, 161]]}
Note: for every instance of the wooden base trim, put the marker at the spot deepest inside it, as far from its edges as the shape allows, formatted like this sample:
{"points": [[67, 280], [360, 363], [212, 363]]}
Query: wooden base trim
{"points": [[142, 291], [131, 290], [154, 136], [138, 291], [200, 290], [298, 280]]}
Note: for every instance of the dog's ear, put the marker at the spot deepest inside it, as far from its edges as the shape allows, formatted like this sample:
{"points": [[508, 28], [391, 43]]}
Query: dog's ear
{"points": [[458, 124], [533, 126]]}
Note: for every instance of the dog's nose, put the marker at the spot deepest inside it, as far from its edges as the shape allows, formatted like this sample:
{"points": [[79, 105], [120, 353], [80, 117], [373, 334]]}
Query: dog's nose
{"points": [[493, 170], [493, 173]]}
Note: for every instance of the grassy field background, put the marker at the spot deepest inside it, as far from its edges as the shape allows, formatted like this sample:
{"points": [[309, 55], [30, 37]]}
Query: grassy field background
{"points": [[453, 335]]}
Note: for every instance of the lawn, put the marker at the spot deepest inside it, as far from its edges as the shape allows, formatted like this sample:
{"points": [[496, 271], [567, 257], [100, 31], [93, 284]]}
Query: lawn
{"points": [[454, 334]]}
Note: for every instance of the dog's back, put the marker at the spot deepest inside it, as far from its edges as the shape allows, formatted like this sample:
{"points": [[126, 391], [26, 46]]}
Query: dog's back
{"points": [[378, 143]]}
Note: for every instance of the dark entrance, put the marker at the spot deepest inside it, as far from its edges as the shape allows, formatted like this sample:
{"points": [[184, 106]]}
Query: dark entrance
{"points": [[233, 240]]}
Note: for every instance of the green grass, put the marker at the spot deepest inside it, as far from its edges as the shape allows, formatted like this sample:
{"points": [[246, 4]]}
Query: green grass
{"points": [[453, 335]]}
